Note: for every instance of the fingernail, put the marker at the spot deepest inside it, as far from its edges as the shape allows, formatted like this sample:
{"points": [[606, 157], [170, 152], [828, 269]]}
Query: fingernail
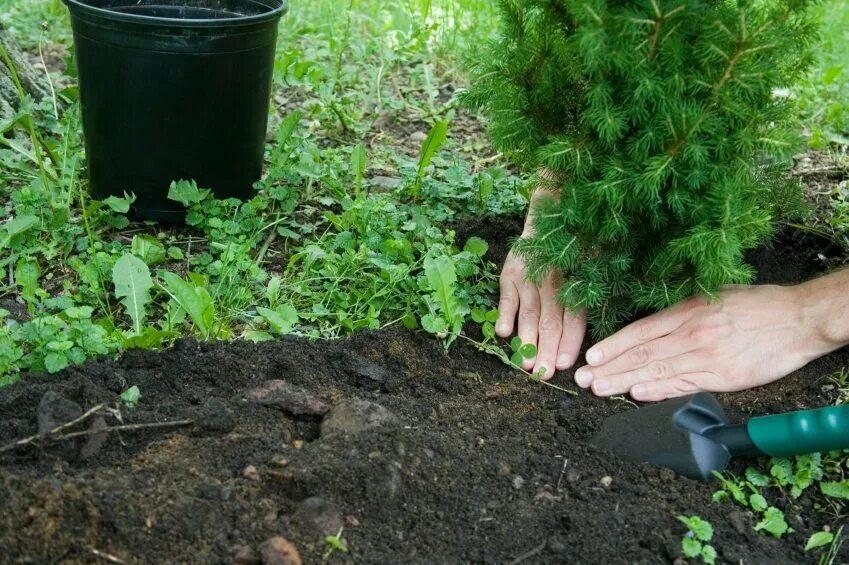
{"points": [[545, 373], [584, 377], [594, 357], [638, 392], [529, 364], [564, 361], [601, 386]]}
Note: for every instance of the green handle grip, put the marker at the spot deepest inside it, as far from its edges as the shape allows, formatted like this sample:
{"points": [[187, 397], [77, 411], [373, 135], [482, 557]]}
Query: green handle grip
{"points": [[797, 433]]}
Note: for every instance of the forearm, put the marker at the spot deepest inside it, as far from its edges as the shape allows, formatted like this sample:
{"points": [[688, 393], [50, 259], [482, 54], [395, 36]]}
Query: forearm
{"points": [[825, 309]]}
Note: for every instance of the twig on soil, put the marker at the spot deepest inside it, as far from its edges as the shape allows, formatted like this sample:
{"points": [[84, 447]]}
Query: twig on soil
{"points": [[54, 435], [528, 555], [54, 431], [129, 427], [106, 556]]}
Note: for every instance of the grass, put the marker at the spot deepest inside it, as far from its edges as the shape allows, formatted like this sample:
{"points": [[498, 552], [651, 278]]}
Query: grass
{"points": [[366, 172]]}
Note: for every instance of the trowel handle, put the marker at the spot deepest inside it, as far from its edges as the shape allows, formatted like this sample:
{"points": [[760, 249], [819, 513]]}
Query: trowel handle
{"points": [[797, 433]]}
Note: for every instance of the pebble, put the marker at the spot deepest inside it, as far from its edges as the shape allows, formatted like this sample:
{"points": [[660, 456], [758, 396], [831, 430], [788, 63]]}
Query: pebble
{"points": [[288, 398], [215, 416], [573, 476], [251, 473], [245, 555], [518, 482], [418, 136], [556, 544], [384, 184], [504, 470], [279, 461], [55, 410], [318, 517], [279, 551], [606, 481], [352, 417]]}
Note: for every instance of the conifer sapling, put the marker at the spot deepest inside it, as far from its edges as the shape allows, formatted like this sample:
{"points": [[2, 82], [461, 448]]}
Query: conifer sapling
{"points": [[663, 135]]}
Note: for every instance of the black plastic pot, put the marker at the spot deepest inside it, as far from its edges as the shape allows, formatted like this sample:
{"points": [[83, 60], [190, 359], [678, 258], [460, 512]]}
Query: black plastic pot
{"points": [[174, 89]]}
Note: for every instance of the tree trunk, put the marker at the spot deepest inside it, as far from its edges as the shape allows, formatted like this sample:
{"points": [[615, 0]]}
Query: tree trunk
{"points": [[34, 82]]}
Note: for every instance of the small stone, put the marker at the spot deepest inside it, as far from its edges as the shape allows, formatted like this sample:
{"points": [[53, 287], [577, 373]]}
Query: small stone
{"points": [[606, 482], [352, 521], [370, 376], [298, 444], [556, 544], [504, 470], [666, 475], [245, 555], [55, 410], [352, 417], [288, 398], [279, 461], [96, 440], [215, 417], [226, 493], [318, 517], [418, 136], [573, 476], [251, 473], [279, 551], [384, 184], [518, 482]]}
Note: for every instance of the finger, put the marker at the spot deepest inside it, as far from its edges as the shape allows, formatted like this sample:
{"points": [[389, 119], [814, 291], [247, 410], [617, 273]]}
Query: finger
{"points": [[666, 347], [550, 329], [529, 312], [642, 331], [655, 371], [508, 305], [574, 328], [681, 385]]}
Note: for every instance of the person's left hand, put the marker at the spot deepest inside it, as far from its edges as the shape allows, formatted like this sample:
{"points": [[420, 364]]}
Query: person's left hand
{"points": [[749, 337]]}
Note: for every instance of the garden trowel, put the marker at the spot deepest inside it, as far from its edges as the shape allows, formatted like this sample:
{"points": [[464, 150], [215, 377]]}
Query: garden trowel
{"points": [[692, 435]]}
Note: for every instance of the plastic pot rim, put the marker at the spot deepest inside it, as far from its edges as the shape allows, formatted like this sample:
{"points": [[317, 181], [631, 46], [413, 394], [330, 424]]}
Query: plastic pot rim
{"points": [[273, 13]]}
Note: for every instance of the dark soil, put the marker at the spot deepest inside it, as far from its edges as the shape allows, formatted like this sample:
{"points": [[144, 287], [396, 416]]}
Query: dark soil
{"points": [[422, 457]]}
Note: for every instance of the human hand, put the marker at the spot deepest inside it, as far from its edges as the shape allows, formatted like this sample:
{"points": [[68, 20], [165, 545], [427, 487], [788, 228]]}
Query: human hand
{"points": [[750, 337], [541, 320]]}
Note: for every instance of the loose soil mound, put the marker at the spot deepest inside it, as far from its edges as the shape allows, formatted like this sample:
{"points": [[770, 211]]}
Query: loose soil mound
{"points": [[422, 456]]}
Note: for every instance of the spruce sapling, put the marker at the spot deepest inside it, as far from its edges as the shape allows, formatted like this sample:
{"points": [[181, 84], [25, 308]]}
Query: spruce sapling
{"points": [[662, 133]]}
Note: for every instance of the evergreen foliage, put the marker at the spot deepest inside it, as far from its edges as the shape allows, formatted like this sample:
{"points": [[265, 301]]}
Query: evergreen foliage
{"points": [[663, 135]]}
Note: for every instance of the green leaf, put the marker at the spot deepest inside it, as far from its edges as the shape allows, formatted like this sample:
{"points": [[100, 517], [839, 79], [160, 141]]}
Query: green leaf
{"points": [[781, 470], [478, 315], [130, 397], [773, 522], [131, 277], [150, 338], [148, 249], [27, 272], [120, 205], [55, 361], [756, 477], [709, 554], [196, 301], [282, 319], [819, 539], [516, 344], [358, 166], [442, 278], [434, 324], [700, 528], [187, 193], [476, 246], [517, 359], [758, 503], [836, 489], [691, 547], [528, 351], [17, 226], [431, 146]]}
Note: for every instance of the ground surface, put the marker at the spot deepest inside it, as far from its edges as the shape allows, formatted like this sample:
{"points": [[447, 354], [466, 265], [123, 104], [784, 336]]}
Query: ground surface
{"points": [[468, 462]]}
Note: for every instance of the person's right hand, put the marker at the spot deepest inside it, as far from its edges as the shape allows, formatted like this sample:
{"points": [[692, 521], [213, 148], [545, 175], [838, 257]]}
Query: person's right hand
{"points": [[542, 321]]}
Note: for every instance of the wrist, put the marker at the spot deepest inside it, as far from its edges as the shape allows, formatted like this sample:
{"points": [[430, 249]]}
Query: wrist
{"points": [[825, 311]]}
